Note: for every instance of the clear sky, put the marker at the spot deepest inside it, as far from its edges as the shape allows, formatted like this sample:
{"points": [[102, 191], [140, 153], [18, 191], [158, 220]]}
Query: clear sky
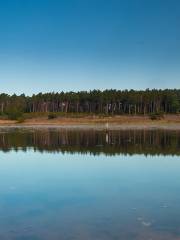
{"points": [[55, 45]]}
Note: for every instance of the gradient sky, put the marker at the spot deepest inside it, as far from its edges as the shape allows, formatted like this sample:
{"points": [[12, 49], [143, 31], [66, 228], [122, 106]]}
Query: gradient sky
{"points": [[55, 45]]}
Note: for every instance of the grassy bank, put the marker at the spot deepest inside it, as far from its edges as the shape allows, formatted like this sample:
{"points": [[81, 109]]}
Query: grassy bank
{"points": [[85, 119]]}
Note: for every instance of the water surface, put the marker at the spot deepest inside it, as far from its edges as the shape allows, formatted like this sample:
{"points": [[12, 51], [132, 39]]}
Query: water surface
{"points": [[57, 184]]}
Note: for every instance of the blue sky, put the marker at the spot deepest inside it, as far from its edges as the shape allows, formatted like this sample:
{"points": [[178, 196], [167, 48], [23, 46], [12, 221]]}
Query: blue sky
{"points": [[51, 45]]}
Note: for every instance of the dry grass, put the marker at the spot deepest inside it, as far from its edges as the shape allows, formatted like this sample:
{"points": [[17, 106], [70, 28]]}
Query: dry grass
{"points": [[93, 120]]}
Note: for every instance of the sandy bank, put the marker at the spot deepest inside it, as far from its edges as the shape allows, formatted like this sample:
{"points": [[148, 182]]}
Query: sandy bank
{"points": [[115, 122]]}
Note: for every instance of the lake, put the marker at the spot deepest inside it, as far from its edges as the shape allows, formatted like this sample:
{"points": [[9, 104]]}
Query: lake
{"points": [[88, 184]]}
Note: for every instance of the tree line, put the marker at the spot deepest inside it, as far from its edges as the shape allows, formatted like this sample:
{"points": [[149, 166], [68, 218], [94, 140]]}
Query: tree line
{"points": [[107, 102]]}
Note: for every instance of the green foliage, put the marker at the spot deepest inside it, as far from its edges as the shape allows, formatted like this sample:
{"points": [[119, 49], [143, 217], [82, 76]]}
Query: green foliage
{"points": [[156, 116], [175, 104], [20, 119], [14, 114], [52, 116], [15, 107], [107, 102], [31, 115]]}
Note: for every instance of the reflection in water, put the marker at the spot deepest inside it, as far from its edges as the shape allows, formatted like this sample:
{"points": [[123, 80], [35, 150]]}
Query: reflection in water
{"points": [[62, 196], [146, 142]]}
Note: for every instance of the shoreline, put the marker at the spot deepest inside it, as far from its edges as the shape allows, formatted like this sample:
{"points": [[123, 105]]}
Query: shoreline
{"points": [[171, 122]]}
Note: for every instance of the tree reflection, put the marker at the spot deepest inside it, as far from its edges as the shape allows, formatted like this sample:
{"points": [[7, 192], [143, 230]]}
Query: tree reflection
{"points": [[147, 142]]}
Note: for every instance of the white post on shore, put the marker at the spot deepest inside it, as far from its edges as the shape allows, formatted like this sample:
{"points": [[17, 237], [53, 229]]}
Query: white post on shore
{"points": [[107, 134]]}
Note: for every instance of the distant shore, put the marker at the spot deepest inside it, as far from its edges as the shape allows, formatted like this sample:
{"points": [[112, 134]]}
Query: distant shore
{"points": [[113, 122]]}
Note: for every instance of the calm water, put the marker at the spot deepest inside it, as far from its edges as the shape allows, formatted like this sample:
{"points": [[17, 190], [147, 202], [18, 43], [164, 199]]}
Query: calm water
{"points": [[67, 184]]}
